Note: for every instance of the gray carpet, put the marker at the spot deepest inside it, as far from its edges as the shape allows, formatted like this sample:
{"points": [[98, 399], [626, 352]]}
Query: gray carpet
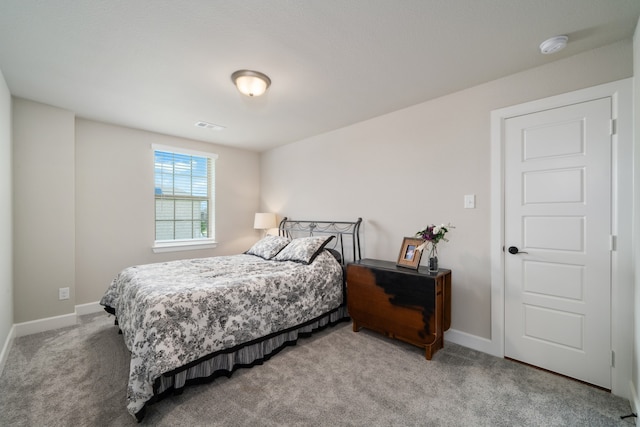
{"points": [[77, 376]]}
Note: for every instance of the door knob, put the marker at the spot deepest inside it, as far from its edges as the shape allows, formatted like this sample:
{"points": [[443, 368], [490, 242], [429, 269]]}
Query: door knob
{"points": [[513, 250]]}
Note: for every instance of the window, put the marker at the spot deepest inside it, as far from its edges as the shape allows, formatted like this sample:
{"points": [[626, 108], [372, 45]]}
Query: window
{"points": [[184, 199]]}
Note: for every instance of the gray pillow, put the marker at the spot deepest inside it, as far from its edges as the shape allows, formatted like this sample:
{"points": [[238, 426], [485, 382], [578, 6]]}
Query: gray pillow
{"points": [[303, 250], [268, 247]]}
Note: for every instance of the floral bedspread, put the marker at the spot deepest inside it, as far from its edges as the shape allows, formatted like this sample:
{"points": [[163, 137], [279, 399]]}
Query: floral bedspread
{"points": [[176, 312]]}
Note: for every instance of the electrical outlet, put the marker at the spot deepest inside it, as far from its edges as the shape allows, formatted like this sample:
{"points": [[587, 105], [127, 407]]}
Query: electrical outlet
{"points": [[63, 293]]}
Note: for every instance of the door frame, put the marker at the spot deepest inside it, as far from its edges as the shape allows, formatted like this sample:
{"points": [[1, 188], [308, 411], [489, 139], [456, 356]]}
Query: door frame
{"points": [[621, 218]]}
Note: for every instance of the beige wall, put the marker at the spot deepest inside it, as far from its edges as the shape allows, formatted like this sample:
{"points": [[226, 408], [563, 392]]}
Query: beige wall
{"points": [[115, 202], [43, 221], [412, 167], [6, 239]]}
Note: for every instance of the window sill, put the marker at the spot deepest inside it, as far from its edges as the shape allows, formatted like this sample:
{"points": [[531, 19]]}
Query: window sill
{"points": [[183, 245]]}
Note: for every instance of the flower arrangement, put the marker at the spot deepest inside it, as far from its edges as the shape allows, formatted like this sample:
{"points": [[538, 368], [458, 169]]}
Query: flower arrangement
{"points": [[432, 235]]}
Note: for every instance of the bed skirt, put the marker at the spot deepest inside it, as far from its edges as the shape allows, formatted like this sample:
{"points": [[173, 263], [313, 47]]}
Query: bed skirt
{"points": [[225, 362]]}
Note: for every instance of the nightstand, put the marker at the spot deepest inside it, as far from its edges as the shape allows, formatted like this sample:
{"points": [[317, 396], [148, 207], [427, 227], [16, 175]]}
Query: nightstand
{"points": [[410, 305]]}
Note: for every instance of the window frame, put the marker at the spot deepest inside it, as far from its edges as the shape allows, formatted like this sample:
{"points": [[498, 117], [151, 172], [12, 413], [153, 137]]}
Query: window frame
{"points": [[160, 246]]}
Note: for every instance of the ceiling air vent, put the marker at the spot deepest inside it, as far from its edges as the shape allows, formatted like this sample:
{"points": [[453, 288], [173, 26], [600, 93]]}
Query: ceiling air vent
{"points": [[206, 125]]}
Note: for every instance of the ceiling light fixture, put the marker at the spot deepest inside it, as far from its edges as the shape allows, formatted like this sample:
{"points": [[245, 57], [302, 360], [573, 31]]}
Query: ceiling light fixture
{"points": [[553, 44], [251, 83]]}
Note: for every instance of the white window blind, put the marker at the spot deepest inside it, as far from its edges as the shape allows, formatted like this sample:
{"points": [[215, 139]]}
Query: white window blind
{"points": [[184, 195]]}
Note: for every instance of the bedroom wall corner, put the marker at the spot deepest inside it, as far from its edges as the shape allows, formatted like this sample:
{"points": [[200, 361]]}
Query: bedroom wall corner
{"points": [[43, 214], [6, 224]]}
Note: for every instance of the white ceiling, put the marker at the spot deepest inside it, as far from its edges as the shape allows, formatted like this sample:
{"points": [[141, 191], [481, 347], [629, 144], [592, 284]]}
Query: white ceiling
{"points": [[162, 65]]}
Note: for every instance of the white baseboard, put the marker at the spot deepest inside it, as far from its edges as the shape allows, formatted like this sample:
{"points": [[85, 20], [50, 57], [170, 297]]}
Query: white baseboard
{"points": [[473, 342], [42, 325], [90, 308], [6, 347], [50, 323]]}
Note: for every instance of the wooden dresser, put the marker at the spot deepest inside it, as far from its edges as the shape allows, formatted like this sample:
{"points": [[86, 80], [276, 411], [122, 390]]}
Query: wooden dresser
{"points": [[409, 305]]}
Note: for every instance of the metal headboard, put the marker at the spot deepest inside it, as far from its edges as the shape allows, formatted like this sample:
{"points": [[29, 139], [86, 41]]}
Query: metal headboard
{"points": [[296, 228]]}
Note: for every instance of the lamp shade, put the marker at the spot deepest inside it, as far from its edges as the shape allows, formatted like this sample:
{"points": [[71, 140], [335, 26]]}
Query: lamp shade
{"points": [[264, 221], [251, 83]]}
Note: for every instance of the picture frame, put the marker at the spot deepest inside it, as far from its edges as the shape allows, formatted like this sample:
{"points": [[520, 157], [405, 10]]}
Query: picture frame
{"points": [[410, 255]]}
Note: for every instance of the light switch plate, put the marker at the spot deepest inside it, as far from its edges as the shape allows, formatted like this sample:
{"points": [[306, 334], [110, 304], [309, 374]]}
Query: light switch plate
{"points": [[470, 201]]}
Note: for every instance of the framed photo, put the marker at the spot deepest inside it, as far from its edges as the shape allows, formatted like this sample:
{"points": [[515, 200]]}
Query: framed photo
{"points": [[409, 253]]}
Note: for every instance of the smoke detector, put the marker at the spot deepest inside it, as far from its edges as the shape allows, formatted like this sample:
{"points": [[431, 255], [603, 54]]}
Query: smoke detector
{"points": [[553, 45]]}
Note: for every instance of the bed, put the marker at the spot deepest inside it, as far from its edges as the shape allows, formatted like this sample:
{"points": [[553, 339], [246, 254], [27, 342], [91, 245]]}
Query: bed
{"points": [[190, 321]]}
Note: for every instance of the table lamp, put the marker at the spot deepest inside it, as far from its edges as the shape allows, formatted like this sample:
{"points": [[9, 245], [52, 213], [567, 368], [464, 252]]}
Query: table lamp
{"points": [[264, 221]]}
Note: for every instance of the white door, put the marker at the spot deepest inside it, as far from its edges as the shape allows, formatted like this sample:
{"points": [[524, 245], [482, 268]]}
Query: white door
{"points": [[558, 240]]}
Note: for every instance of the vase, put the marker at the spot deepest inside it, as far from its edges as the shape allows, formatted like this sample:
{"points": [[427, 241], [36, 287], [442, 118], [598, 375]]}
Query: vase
{"points": [[433, 259]]}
